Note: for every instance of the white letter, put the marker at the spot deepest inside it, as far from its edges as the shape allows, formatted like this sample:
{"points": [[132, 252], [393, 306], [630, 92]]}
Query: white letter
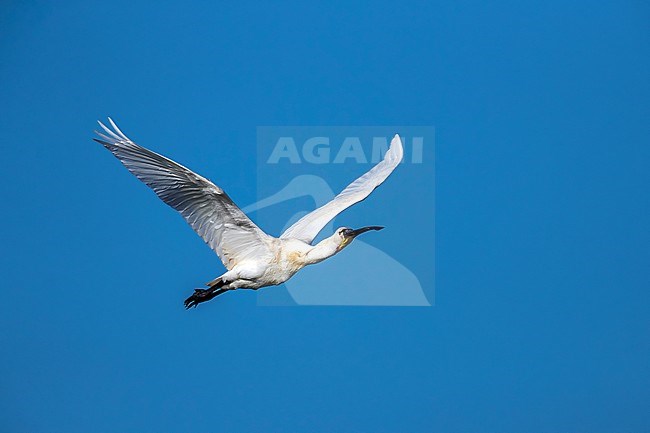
{"points": [[284, 148], [351, 148], [379, 148], [416, 156], [322, 154]]}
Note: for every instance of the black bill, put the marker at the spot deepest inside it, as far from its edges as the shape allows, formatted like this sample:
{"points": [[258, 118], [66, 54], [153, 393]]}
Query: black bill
{"points": [[349, 233]]}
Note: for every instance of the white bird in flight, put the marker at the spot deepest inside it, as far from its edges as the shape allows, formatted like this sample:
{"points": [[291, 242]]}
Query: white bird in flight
{"points": [[253, 259]]}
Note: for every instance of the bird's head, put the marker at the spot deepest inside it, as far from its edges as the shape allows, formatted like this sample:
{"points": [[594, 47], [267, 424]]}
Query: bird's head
{"points": [[344, 235]]}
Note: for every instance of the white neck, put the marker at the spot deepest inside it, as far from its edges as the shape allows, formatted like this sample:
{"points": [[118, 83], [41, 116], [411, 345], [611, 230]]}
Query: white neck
{"points": [[321, 251]]}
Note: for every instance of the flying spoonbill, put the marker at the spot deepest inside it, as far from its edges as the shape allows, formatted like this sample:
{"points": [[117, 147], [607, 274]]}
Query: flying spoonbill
{"points": [[253, 259]]}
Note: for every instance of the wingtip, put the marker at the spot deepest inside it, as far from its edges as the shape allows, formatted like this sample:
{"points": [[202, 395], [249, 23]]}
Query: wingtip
{"points": [[113, 134], [102, 142], [116, 128], [396, 144]]}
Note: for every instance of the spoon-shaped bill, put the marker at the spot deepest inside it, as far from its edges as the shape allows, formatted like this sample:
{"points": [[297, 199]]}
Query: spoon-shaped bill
{"points": [[354, 233]]}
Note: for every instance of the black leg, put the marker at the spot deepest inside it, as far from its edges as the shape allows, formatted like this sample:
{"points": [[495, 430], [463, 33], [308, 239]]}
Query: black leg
{"points": [[203, 295]]}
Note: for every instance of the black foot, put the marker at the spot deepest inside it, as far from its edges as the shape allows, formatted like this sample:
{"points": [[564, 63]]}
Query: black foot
{"points": [[202, 295]]}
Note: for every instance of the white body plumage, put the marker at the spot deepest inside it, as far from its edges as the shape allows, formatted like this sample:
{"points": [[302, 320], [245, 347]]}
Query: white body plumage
{"points": [[290, 256]]}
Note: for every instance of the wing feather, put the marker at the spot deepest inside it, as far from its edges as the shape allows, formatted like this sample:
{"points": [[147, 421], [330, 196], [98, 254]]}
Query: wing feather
{"points": [[205, 206], [308, 227]]}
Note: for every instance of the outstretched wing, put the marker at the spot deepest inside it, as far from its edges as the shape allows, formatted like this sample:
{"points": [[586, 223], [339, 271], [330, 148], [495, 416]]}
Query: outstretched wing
{"points": [[311, 224], [205, 206]]}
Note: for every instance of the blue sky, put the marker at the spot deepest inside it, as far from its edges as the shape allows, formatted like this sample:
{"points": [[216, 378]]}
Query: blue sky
{"points": [[541, 312]]}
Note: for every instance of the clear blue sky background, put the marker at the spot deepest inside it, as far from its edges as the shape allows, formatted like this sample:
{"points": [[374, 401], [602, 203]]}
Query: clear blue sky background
{"points": [[542, 284]]}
